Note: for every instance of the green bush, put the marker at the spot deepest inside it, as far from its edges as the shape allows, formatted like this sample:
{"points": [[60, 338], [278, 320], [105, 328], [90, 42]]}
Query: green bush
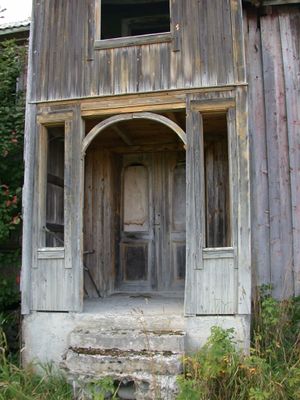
{"points": [[12, 61], [272, 369]]}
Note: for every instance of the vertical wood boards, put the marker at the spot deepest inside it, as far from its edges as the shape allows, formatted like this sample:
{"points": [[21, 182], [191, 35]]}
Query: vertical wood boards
{"points": [[100, 220], [278, 158], [205, 48], [52, 284], [205, 293], [217, 287], [258, 157], [238, 42], [290, 43], [218, 226], [56, 275], [272, 43], [195, 221], [74, 214], [27, 207]]}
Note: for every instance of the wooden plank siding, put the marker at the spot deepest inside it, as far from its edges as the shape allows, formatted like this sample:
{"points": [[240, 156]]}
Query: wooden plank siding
{"points": [[67, 64], [273, 71], [201, 70]]}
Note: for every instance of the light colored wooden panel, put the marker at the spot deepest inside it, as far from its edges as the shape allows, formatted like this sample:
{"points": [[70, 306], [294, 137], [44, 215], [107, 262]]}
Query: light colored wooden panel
{"points": [[55, 284], [217, 289], [195, 221], [233, 178], [51, 253], [243, 204], [29, 215], [135, 198], [218, 253], [74, 132]]}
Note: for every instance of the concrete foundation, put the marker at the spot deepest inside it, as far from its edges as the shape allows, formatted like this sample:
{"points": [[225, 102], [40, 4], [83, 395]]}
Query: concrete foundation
{"points": [[139, 339]]}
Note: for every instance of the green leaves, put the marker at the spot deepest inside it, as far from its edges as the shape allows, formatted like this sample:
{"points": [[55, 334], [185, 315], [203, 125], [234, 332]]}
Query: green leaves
{"points": [[12, 60], [271, 371]]}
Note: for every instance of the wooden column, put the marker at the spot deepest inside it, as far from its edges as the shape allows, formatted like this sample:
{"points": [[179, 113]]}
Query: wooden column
{"points": [[195, 223]]}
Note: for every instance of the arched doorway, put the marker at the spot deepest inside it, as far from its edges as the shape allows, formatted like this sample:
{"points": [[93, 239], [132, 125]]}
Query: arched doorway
{"points": [[134, 216]]}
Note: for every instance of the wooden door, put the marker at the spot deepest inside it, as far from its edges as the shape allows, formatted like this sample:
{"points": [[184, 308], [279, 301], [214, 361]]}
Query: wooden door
{"points": [[152, 234]]}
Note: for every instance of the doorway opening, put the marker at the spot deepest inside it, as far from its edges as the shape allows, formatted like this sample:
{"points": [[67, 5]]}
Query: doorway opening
{"points": [[134, 213]]}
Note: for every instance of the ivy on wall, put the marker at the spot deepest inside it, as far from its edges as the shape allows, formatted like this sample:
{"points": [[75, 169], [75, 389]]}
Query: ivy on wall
{"points": [[12, 59]]}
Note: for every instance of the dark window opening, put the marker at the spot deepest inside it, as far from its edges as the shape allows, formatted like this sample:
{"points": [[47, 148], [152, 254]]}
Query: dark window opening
{"points": [[217, 187], [55, 188], [134, 18]]}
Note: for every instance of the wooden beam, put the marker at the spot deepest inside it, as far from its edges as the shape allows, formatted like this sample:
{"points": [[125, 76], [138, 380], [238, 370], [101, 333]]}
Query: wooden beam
{"points": [[55, 180], [54, 118], [133, 41], [213, 105], [123, 135], [55, 227]]}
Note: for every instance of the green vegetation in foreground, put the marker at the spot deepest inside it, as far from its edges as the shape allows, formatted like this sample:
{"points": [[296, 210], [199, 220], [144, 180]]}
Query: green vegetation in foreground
{"points": [[24, 384], [217, 372], [272, 369]]}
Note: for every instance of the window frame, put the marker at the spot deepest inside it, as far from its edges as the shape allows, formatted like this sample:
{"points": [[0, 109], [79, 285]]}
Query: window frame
{"points": [[44, 123], [126, 41]]}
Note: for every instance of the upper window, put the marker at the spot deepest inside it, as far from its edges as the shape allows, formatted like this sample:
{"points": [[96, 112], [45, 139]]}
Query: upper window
{"points": [[123, 18]]}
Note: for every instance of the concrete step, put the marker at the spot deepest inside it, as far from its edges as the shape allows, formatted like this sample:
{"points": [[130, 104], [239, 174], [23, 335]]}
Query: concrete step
{"points": [[150, 359], [116, 363], [128, 340], [132, 320]]}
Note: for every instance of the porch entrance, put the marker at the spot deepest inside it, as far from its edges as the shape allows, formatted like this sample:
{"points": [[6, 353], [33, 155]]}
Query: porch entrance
{"points": [[134, 216], [152, 231]]}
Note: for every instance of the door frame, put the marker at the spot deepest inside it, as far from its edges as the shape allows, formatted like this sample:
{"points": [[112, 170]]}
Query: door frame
{"points": [[101, 126]]}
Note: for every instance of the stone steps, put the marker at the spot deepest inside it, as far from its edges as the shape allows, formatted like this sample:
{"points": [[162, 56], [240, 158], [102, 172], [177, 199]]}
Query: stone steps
{"points": [[136, 340], [151, 359]]}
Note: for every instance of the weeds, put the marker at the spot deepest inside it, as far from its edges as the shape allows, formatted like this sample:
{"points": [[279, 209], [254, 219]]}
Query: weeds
{"points": [[272, 370], [25, 384]]}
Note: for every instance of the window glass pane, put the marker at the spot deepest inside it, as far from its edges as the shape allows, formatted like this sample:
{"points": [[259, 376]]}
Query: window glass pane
{"points": [[218, 230], [55, 188], [134, 17]]}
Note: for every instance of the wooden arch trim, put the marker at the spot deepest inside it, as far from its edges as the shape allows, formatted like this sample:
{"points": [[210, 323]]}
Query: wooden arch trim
{"points": [[126, 117]]}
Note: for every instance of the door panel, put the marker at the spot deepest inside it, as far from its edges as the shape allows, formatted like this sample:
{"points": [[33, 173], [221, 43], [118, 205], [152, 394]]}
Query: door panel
{"points": [[152, 236], [135, 261], [136, 199], [136, 235]]}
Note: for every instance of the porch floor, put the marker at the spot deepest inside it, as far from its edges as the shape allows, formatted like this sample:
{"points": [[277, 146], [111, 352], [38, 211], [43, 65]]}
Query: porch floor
{"points": [[128, 304]]}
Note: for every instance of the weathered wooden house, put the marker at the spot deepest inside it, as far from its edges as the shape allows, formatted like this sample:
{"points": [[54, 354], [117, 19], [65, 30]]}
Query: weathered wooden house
{"points": [[148, 121]]}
